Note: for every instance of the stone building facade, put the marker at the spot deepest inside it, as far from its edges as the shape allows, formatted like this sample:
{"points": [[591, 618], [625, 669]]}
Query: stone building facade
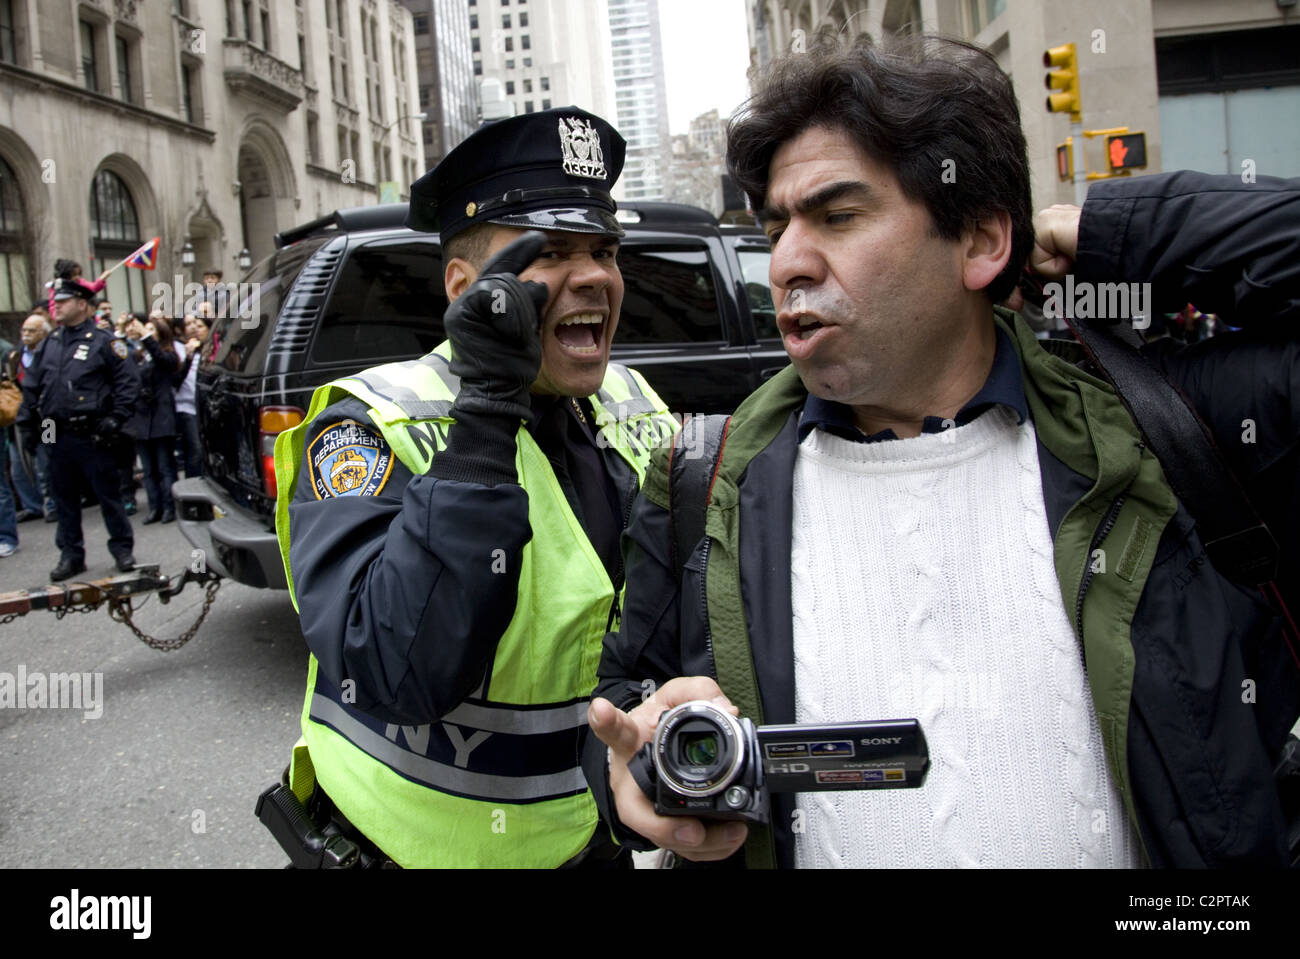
{"points": [[1214, 84], [212, 123]]}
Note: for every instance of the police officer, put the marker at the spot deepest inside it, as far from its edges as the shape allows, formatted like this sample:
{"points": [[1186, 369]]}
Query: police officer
{"points": [[84, 390], [451, 525]]}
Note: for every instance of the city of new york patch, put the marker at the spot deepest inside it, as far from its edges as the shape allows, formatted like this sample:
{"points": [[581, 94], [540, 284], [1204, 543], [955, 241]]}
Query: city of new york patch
{"points": [[346, 459]]}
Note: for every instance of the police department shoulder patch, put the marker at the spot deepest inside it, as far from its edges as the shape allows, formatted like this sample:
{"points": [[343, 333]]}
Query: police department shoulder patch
{"points": [[347, 459], [119, 348]]}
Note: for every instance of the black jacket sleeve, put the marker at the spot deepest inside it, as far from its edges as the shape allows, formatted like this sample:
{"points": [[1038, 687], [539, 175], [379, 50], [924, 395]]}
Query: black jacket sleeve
{"points": [[646, 651], [406, 591], [1229, 248]]}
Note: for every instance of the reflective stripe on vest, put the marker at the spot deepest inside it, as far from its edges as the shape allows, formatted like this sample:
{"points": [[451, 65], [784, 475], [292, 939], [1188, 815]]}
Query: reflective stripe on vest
{"points": [[497, 781]]}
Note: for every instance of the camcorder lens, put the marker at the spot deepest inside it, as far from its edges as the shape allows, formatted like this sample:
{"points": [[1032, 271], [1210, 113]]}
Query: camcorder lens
{"points": [[700, 749]]}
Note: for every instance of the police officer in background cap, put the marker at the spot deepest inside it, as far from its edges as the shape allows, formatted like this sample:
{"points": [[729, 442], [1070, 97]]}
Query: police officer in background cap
{"points": [[451, 525], [81, 395]]}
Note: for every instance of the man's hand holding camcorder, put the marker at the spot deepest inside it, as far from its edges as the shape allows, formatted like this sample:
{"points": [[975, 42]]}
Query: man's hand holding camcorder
{"points": [[625, 733], [493, 328]]}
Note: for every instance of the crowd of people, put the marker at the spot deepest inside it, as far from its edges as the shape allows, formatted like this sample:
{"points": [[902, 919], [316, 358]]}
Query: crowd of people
{"points": [[156, 435]]}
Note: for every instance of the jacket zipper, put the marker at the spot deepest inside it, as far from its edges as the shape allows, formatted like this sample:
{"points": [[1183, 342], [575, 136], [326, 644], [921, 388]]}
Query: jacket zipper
{"points": [[1102, 532], [704, 605]]}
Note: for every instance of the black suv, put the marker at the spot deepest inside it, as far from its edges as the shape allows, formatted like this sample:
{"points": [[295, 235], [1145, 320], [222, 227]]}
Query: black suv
{"points": [[357, 289]]}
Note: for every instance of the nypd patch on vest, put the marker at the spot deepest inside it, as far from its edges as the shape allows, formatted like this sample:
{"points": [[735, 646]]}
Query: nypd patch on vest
{"points": [[346, 459]]}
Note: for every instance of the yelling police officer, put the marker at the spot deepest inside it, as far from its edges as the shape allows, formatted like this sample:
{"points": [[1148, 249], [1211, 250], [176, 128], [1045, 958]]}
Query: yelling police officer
{"points": [[83, 392], [451, 525]]}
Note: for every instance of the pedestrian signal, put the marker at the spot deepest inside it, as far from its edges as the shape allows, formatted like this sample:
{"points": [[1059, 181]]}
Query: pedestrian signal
{"points": [[1065, 161], [1126, 151]]}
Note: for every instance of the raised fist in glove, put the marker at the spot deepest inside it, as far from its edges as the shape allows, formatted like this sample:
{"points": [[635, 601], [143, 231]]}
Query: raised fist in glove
{"points": [[493, 327]]}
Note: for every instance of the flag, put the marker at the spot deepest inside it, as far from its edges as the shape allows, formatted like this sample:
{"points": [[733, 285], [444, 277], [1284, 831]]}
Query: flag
{"points": [[145, 258]]}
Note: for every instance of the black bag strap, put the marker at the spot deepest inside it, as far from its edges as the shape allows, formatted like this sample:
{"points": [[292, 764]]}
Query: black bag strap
{"points": [[1236, 540], [692, 466]]}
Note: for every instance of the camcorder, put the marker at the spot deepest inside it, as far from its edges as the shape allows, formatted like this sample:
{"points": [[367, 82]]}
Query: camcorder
{"points": [[704, 762]]}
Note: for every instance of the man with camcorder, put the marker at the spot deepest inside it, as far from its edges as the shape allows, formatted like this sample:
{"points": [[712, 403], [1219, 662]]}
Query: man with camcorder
{"points": [[932, 516]]}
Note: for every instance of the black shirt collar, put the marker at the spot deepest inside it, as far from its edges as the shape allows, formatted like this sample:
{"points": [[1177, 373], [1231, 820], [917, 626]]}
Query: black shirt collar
{"points": [[1004, 387]]}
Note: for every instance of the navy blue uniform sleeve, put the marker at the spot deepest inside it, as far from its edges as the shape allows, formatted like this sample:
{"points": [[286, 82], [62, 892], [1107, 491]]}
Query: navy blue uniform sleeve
{"points": [[125, 381], [646, 651], [404, 583]]}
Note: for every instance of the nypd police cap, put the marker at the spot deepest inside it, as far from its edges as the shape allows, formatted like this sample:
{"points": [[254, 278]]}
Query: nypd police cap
{"points": [[551, 170], [69, 288]]}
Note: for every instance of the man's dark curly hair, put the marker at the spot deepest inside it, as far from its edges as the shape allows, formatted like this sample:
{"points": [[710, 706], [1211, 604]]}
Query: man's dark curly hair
{"points": [[911, 104]]}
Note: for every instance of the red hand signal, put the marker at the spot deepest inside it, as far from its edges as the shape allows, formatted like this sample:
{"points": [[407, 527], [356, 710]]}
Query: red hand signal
{"points": [[1118, 151]]}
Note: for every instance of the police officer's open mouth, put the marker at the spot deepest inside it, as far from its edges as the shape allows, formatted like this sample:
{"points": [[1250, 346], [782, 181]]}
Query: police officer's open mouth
{"points": [[581, 333]]}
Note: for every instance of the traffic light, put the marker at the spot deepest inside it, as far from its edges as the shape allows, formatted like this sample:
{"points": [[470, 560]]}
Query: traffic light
{"points": [[1126, 151], [1065, 78]]}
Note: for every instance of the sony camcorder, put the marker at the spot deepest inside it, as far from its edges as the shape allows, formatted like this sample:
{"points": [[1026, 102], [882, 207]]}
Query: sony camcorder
{"points": [[705, 762]]}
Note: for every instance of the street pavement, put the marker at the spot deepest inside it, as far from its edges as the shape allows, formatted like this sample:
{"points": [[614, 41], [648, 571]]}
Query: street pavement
{"points": [[169, 774]]}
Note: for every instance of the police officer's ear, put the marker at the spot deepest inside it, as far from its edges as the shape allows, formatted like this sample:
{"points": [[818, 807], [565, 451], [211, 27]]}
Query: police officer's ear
{"points": [[458, 276]]}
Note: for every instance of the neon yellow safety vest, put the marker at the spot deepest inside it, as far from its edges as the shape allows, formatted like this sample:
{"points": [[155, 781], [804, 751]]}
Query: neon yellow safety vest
{"points": [[534, 808]]}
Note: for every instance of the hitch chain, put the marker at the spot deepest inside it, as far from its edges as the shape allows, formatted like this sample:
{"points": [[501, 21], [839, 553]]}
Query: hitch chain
{"points": [[120, 609]]}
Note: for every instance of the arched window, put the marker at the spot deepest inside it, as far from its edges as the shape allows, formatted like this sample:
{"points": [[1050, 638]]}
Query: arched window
{"points": [[115, 235], [16, 294]]}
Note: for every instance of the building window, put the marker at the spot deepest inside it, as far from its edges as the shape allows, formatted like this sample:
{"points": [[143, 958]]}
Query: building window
{"points": [[528, 62], [115, 234], [124, 51], [313, 138], [526, 42], [546, 104], [523, 18], [8, 53], [528, 106], [510, 64], [473, 21], [546, 84], [89, 62], [528, 85], [191, 94], [505, 21], [248, 20], [510, 44], [264, 17], [421, 25], [473, 45], [478, 68], [15, 274], [510, 88]]}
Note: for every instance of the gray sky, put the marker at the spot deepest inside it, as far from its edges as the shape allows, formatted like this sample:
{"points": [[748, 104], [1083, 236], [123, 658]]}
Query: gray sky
{"points": [[706, 54]]}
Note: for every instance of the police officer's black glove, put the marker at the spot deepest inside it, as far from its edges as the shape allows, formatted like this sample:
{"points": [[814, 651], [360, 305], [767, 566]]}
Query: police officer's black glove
{"points": [[493, 327], [107, 431]]}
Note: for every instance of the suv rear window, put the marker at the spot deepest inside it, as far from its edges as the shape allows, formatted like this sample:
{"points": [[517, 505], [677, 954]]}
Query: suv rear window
{"points": [[240, 341], [387, 304], [669, 296]]}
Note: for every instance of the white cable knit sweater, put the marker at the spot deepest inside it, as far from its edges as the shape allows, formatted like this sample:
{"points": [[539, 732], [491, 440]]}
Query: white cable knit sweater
{"points": [[923, 586]]}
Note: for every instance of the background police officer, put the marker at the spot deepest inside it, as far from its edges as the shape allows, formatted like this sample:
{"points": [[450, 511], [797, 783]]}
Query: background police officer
{"points": [[84, 391]]}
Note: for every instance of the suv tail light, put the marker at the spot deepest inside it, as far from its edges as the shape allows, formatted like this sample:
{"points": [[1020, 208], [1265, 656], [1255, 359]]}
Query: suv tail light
{"points": [[271, 422]]}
